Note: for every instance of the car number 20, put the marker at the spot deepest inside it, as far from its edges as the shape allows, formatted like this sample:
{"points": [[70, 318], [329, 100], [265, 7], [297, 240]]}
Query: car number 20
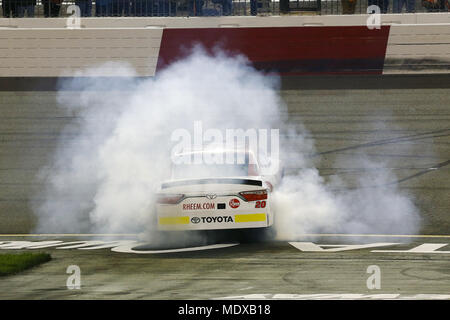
{"points": [[260, 204]]}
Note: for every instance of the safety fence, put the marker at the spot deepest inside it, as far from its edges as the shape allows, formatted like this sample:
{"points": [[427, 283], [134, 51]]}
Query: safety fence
{"points": [[186, 8]]}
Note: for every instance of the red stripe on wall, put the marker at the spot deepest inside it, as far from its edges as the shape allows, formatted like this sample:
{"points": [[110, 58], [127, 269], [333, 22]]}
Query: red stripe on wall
{"points": [[287, 50]]}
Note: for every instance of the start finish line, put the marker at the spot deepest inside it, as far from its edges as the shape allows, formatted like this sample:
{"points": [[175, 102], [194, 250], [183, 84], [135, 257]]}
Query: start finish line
{"points": [[130, 246], [122, 246]]}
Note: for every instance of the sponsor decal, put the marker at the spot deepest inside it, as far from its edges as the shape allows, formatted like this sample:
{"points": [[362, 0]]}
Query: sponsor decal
{"points": [[219, 219], [199, 206], [234, 203], [256, 217], [195, 220], [173, 220]]}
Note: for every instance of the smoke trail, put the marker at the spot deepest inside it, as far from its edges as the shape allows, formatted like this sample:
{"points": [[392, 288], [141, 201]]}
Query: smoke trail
{"points": [[307, 205], [114, 155], [370, 204]]}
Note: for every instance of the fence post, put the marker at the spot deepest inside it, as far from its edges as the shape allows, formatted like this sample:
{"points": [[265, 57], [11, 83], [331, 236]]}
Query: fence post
{"points": [[284, 6]]}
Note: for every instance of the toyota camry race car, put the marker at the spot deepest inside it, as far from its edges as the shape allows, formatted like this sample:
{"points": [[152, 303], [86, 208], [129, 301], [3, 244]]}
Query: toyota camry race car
{"points": [[216, 196]]}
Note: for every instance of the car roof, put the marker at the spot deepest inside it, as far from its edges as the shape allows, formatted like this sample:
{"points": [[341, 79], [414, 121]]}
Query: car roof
{"points": [[214, 151], [249, 155]]}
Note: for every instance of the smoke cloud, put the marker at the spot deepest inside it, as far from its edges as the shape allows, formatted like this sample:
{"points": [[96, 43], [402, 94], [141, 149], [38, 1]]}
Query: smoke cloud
{"points": [[113, 156]]}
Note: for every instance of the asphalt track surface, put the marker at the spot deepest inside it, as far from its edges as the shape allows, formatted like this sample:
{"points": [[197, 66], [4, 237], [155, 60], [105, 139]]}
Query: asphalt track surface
{"points": [[401, 121]]}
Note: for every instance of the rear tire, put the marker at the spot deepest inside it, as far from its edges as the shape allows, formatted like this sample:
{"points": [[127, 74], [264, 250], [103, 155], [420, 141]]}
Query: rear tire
{"points": [[256, 235]]}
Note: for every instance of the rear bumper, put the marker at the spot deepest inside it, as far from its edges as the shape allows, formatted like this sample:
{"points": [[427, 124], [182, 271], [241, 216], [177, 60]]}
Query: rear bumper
{"points": [[199, 221]]}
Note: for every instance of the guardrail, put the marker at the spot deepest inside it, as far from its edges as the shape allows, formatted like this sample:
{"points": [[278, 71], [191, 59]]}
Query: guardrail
{"points": [[186, 8]]}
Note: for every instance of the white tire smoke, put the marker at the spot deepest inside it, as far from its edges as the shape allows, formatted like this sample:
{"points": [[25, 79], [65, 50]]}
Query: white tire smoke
{"points": [[113, 156]]}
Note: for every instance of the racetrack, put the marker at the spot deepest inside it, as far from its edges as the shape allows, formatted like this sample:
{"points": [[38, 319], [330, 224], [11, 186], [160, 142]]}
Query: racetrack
{"points": [[258, 270], [402, 121]]}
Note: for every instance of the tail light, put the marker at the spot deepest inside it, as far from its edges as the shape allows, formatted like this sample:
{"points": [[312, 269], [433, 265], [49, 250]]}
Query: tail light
{"points": [[169, 198], [269, 185], [254, 195]]}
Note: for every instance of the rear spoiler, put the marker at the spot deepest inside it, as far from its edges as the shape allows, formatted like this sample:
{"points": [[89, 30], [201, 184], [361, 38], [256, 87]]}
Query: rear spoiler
{"points": [[250, 182]]}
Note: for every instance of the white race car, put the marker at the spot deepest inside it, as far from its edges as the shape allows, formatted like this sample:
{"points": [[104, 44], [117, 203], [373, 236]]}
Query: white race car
{"points": [[209, 197]]}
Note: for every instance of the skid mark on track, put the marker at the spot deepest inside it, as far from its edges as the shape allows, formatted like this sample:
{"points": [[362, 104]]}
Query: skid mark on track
{"points": [[412, 137]]}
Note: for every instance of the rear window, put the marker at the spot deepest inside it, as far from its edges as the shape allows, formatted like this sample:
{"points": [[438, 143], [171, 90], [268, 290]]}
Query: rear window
{"points": [[193, 171]]}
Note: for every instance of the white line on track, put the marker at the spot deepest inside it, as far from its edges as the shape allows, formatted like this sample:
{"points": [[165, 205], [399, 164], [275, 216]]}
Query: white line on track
{"points": [[71, 235], [129, 249], [375, 235], [338, 296], [123, 246], [301, 235]]}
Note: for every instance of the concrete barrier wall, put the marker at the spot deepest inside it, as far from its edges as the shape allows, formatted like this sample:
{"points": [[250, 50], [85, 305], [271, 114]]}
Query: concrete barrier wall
{"points": [[418, 49], [288, 45], [60, 52]]}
